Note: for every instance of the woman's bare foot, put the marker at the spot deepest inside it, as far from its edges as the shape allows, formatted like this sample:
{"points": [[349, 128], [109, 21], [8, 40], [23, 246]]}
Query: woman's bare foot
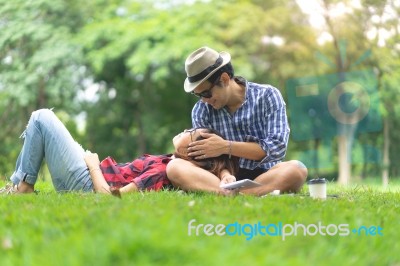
{"points": [[24, 187]]}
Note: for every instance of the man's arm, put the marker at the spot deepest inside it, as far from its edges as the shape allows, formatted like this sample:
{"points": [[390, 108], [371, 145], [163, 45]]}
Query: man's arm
{"points": [[214, 146]]}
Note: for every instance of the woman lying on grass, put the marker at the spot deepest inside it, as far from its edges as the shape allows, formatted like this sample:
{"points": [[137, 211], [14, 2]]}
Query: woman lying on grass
{"points": [[73, 169]]}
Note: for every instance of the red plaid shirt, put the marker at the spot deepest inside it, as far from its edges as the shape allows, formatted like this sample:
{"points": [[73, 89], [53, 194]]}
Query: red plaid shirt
{"points": [[148, 172]]}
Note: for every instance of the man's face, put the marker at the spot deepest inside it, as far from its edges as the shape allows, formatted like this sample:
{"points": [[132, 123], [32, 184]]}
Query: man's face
{"points": [[211, 93]]}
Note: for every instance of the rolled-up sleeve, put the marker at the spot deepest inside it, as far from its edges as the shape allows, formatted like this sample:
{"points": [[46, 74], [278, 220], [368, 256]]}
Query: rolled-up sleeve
{"points": [[276, 127]]}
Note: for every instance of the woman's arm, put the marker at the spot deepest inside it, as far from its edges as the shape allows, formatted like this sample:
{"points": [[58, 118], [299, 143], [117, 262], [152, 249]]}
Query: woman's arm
{"points": [[226, 177], [99, 183]]}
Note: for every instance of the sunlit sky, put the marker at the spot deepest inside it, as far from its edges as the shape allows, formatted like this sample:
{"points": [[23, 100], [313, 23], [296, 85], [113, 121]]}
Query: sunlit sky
{"points": [[314, 9], [315, 12]]}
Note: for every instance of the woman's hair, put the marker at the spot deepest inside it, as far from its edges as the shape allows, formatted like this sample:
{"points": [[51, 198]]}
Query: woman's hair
{"points": [[216, 164]]}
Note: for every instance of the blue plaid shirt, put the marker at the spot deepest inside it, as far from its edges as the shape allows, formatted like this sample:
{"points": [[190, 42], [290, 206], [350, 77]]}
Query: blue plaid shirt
{"points": [[261, 119]]}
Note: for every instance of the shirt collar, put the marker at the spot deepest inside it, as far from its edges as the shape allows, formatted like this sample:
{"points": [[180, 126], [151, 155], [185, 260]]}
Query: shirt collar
{"points": [[242, 81]]}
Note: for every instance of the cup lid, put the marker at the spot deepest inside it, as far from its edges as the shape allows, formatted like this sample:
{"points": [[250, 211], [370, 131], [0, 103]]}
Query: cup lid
{"points": [[317, 181]]}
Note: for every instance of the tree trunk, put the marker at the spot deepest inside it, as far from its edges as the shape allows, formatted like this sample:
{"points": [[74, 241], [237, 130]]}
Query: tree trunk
{"points": [[344, 138], [386, 159], [344, 163], [316, 157], [41, 100]]}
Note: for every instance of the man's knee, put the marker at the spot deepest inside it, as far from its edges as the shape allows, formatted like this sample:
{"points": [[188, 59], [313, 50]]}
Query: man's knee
{"points": [[296, 175], [301, 169]]}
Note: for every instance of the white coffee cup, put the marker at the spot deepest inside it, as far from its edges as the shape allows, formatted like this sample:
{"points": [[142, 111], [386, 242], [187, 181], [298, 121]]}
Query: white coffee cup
{"points": [[317, 188]]}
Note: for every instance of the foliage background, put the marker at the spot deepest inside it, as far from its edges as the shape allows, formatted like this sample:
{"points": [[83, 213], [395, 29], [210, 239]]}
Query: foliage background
{"points": [[114, 70]]}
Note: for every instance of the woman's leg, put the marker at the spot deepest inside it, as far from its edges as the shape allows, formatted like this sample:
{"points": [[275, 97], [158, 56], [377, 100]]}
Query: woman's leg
{"points": [[189, 177], [47, 138]]}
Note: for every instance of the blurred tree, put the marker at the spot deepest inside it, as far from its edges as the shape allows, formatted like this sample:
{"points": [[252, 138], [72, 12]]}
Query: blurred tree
{"points": [[383, 29], [39, 65], [356, 24], [137, 52], [377, 24]]}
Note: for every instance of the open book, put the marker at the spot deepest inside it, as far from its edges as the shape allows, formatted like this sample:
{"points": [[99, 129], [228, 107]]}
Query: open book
{"points": [[245, 183]]}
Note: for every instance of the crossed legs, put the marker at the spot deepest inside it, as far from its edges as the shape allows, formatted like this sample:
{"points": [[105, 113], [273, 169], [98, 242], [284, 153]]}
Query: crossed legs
{"points": [[286, 176]]}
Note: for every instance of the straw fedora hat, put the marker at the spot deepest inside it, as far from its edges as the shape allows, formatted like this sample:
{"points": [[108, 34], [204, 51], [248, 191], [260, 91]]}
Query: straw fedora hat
{"points": [[201, 64]]}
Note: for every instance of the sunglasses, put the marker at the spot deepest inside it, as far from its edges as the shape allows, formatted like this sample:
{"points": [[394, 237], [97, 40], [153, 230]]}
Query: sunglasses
{"points": [[190, 131], [207, 93]]}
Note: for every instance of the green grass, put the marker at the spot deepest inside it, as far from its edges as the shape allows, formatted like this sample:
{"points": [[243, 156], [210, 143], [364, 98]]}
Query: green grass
{"points": [[152, 228]]}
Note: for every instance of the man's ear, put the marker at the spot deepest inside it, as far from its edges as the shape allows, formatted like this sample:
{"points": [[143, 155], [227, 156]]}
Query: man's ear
{"points": [[224, 79]]}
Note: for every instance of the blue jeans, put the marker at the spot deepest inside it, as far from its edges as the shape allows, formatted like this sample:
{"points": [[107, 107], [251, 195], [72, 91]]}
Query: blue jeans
{"points": [[47, 138]]}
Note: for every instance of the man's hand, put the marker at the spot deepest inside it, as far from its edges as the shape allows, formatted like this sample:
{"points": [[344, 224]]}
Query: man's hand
{"points": [[212, 146]]}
